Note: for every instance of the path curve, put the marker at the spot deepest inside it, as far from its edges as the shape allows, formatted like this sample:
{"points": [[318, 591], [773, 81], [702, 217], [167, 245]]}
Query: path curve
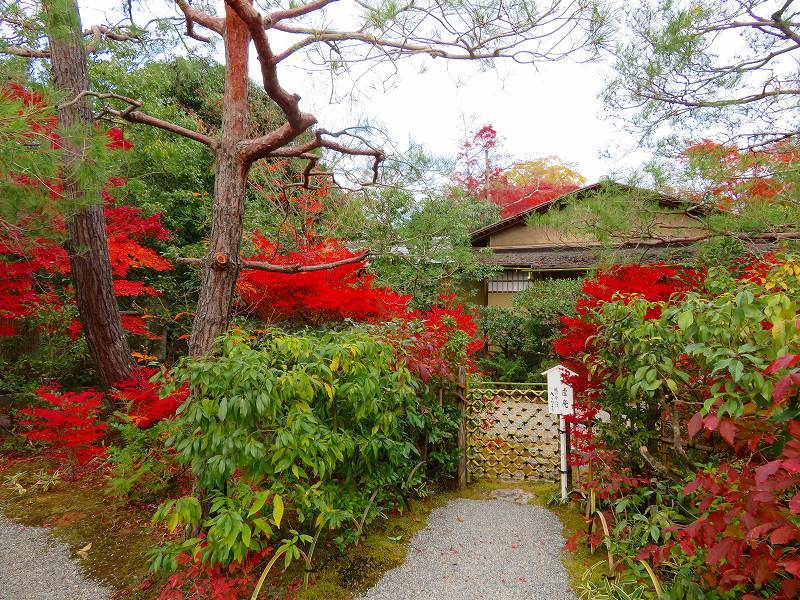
{"points": [[34, 566], [482, 549]]}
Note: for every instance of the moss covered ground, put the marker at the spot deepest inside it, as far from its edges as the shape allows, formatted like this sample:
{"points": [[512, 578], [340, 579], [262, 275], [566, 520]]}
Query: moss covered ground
{"points": [[80, 513]]}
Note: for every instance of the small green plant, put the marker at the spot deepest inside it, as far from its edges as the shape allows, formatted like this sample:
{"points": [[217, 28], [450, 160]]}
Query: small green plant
{"points": [[142, 468], [597, 586], [45, 480], [12, 482]]}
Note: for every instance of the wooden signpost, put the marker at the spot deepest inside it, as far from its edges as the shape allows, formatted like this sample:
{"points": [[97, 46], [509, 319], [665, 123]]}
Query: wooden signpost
{"points": [[559, 402]]}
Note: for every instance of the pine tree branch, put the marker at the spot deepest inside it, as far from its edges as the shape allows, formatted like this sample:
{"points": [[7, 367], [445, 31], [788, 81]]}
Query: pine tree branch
{"points": [[292, 13], [132, 114], [96, 33], [193, 15], [273, 268]]}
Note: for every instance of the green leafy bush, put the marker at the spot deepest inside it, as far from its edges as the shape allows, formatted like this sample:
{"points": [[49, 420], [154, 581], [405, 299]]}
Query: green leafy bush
{"points": [[322, 424], [142, 469]]}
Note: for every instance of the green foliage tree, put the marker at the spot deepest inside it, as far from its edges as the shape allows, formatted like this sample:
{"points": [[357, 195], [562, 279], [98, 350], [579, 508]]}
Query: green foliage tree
{"points": [[420, 240]]}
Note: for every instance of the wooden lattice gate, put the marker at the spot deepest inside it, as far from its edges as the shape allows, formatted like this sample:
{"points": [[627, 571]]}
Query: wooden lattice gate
{"points": [[510, 434]]}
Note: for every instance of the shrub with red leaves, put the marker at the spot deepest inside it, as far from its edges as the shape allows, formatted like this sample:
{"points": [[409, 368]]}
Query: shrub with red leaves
{"points": [[67, 425], [434, 343], [655, 283], [714, 364], [200, 581], [142, 399]]}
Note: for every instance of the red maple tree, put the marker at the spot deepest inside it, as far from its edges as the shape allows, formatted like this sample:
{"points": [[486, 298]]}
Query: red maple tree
{"points": [[142, 401], [34, 268], [736, 176], [67, 425], [482, 177], [316, 297], [515, 199]]}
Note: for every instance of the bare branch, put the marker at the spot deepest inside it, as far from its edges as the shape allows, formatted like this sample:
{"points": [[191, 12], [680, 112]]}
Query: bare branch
{"points": [[657, 465], [254, 148], [289, 269], [25, 52], [193, 15], [293, 13], [96, 33], [133, 115]]}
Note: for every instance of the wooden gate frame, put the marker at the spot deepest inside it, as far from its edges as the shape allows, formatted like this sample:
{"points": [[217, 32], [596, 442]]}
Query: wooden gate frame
{"points": [[508, 432]]}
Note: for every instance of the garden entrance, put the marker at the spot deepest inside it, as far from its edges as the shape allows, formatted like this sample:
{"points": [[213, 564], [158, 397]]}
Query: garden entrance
{"points": [[510, 433]]}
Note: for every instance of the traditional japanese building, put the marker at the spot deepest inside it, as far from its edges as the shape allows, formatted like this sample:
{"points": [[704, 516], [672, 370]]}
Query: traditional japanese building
{"points": [[527, 250]]}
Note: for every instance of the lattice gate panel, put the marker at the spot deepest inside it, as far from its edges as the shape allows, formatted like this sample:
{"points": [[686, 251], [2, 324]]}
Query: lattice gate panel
{"points": [[510, 434]]}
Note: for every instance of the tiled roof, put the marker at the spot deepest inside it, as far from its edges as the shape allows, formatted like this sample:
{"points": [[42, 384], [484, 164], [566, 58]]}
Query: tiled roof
{"points": [[585, 191], [584, 258]]}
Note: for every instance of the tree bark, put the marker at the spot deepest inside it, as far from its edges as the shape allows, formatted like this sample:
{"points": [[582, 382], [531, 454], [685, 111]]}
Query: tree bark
{"points": [[222, 264], [87, 242]]}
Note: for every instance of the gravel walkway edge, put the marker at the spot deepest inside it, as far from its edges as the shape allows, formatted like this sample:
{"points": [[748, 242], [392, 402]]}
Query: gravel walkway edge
{"points": [[482, 549], [34, 566]]}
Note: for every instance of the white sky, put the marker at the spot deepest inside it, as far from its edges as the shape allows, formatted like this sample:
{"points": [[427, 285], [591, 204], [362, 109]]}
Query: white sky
{"points": [[554, 110], [551, 109]]}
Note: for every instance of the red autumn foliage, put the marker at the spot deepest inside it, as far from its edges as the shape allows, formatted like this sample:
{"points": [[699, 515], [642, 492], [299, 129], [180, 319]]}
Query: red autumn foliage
{"points": [[655, 283], [200, 581], [67, 425], [142, 399], [484, 180], [116, 140], [316, 297], [430, 343], [515, 199], [749, 176], [29, 263], [422, 339]]}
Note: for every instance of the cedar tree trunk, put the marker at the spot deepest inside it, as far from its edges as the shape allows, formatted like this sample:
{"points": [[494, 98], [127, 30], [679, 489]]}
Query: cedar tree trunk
{"points": [[222, 263], [87, 242]]}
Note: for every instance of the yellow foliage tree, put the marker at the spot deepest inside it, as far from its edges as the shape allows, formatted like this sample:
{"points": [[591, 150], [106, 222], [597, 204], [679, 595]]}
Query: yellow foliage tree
{"points": [[550, 169]]}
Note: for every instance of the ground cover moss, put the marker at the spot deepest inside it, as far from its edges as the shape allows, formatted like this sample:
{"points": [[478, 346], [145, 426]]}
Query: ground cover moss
{"points": [[79, 513]]}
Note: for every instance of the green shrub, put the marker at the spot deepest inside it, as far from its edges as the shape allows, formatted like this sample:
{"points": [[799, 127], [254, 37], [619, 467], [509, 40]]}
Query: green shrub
{"points": [[519, 339], [322, 424]]}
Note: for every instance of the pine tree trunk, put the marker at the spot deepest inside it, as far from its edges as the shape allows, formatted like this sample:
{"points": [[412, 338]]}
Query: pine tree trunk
{"points": [[222, 264], [87, 242]]}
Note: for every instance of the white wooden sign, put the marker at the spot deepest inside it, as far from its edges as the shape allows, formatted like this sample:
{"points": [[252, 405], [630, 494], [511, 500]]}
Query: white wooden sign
{"points": [[559, 394], [559, 402]]}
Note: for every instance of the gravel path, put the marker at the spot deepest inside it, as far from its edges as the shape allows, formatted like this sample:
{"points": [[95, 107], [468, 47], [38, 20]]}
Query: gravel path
{"points": [[482, 549], [33, 566]]}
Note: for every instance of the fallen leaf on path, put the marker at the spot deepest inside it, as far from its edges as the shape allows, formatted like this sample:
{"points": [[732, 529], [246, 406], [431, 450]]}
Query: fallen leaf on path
{"points": [[84, 552]]}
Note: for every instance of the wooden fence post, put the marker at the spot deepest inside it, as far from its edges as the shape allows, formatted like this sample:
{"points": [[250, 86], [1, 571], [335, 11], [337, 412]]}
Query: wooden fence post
{"points": [[462, 427]]}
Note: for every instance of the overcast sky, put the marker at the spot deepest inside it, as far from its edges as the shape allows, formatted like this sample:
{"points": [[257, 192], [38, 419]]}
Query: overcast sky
{"points": [[552, 109]]}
